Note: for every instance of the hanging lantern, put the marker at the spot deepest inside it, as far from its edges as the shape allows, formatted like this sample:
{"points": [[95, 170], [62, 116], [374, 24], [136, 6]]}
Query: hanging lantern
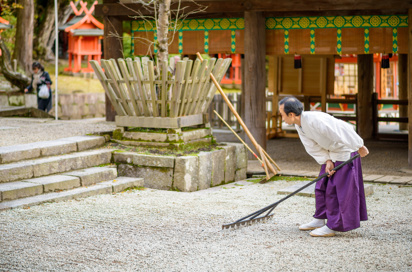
{"points": [[385, 61], [298, 62]]}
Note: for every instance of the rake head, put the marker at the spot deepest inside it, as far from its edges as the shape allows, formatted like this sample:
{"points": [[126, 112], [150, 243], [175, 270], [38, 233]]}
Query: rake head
{"points": [[247, 222]]}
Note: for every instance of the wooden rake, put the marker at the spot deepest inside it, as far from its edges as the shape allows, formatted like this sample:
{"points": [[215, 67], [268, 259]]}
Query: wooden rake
{"points": [[257, 217], [266, 159]]}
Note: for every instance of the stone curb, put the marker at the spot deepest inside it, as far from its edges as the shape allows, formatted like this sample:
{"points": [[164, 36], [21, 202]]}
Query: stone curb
{"points": [[53, 165], [108, 187], [9, 154]]}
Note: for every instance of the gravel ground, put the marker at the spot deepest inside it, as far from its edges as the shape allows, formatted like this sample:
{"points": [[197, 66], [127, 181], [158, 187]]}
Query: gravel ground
{"points": [[153, 230]]}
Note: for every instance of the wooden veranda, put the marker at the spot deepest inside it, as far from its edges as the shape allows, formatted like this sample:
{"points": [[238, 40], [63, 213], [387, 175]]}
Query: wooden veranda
{"points": [[318, 30]]}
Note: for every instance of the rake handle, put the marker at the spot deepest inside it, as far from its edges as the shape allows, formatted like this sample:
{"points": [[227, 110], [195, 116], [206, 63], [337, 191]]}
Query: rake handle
{"points": [[297, 191]]}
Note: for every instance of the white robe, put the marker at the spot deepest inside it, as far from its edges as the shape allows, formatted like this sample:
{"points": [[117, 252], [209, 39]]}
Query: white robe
{"points": [[327, 138]]}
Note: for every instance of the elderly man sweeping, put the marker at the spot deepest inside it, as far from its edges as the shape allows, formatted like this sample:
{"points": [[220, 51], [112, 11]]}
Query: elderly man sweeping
{"points": [[340, 197]]}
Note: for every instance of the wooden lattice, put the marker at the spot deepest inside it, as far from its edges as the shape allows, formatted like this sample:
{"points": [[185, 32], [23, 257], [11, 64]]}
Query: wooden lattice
{"points": [[136, 91]]}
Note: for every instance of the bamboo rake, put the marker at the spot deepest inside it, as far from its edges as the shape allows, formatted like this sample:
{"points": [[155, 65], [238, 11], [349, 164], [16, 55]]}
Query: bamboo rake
{"points": [[231, 129], [233, 110]]}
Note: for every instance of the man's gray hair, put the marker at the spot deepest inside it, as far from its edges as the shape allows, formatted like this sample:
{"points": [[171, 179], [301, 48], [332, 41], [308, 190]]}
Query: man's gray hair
{"points": [[291, 104]]}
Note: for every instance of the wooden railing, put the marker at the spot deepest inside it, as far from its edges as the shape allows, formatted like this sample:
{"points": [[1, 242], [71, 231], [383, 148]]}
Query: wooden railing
{"points": [[396, 119]]}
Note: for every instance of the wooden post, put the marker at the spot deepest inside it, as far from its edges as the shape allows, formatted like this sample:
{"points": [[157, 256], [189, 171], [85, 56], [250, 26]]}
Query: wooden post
{"points": [[322, 83], [410, 88], [273, 88], [365, 90], [113, 48], [255, 77], [403, 87]]}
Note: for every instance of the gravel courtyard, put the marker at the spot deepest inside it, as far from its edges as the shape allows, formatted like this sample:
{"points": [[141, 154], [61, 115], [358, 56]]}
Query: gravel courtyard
{"points": [[153, 230]]}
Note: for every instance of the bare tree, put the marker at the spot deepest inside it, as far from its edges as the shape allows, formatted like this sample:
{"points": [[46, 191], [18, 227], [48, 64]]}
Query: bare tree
{"points": [[165, 19], [15, 78], [23, 49]]}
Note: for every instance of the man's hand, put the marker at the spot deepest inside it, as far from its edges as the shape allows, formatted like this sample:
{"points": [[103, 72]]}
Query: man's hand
{"points": [[363, 151], [329, 166]]}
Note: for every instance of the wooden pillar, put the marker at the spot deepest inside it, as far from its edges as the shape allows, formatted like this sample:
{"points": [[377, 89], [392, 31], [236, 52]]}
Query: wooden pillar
{"points": [[113, 48], [365, 91], [254, 115], [403, 87], [410, 87]]}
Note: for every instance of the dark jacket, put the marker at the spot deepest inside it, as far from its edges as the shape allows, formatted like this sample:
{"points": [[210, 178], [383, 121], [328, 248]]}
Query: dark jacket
{"points": [[43, 104]]}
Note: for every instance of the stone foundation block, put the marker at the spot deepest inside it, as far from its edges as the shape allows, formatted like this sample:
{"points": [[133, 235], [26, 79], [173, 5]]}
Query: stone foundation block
{"points": [[154, 177], [205, 170], [186, 175], [218, 167], [240, 174], [155, 161], [230, 163]]}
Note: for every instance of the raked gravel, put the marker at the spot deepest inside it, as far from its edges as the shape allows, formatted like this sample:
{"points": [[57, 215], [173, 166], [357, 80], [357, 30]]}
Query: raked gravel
{"points": [[154, 230]]}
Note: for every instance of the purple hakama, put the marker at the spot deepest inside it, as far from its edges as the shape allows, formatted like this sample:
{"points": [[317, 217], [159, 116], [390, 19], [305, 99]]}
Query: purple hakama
{"points": [[341, 198]]}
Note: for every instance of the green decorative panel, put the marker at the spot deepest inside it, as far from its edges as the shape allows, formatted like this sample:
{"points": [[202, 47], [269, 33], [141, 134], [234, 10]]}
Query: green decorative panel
{"points": [[312, 41], [180, 42], [194, 24], [366, 41], [206, 46], [286, 42], [155, 42], [395, 40], [339, 41], [233, 41], [393, 21]]}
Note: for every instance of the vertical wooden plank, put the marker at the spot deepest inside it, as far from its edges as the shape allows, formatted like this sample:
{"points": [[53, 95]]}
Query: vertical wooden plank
{"points": [[403, 87], [164, 88], [152, 86], [255, 77], [365, 90], [108, 90], [177, 89], [273, 88], [203, 83], [410, 88], [322, 83], [192, 86], [129, 87], [111, 72], [138, 74], [121, 86], [113, 48], [187, 83]]}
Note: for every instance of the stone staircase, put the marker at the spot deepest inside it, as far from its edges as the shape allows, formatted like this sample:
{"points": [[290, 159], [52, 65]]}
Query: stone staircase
{"points": [[58, 170]]}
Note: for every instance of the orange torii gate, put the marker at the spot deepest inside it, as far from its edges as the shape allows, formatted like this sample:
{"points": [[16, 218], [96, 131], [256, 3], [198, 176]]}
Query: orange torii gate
{"points": [[85, 33]]}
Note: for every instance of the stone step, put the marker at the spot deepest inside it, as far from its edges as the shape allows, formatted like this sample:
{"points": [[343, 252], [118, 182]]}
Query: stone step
{"points": [[107, 187], [64, 181], [52, 165], [310, 190], [21, 152]]}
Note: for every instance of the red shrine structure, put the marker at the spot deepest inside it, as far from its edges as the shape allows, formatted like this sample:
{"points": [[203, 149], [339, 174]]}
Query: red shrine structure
{"points": [[84, 35]]}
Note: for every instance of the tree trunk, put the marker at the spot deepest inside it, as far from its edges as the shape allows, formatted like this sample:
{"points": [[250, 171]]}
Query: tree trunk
{"points": [[163, 29], [23, 47], [46, 34], [17, 79]]}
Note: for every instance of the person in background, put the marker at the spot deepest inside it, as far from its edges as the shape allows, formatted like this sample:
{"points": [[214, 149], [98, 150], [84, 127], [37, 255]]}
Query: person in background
{"points": [[340, 197], [38, 79]]}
